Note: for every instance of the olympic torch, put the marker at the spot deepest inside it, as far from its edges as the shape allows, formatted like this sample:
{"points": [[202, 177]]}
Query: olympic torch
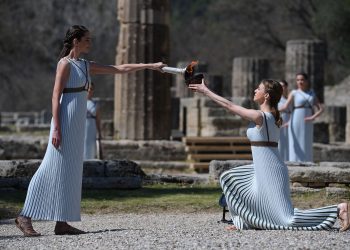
{"points": [[191, 77]]}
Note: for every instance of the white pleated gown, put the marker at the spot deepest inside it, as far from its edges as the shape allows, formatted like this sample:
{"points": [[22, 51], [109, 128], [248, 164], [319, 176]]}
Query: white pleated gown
{"points": [[90, 131], [283, 144], [258, 195], [54, 193], [300, 133]]}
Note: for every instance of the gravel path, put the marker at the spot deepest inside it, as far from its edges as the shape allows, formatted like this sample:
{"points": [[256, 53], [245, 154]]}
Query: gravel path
{"points": [[166, 231]]}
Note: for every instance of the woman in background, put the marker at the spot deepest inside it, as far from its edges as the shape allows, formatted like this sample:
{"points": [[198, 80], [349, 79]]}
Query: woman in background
{"points": [[300, 128], [283, 142], [93, 126]]}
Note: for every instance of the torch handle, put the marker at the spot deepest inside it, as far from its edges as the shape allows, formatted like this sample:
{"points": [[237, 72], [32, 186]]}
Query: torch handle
{"points": [[172, 70]]}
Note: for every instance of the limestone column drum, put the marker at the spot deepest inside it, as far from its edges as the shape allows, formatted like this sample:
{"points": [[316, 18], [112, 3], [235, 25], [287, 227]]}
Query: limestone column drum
{"points": [[142, 99], [306, 56], [247, 72]]}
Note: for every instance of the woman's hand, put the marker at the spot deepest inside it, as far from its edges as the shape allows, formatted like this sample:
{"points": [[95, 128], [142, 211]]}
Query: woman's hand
{"points": [[56, 138], [309, 118], [157, 66], [285, 125], [201, 88]]}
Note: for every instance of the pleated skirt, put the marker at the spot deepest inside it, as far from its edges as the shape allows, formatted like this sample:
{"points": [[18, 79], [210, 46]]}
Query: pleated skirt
{"points": [[54, 193], [258, 197], [300, 136]]}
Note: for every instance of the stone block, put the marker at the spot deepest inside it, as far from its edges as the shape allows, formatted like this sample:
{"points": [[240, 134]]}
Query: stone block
{"points": [[95, 168], [96, 174], [313, 175], [319, 175], [247, 72], [18, 168], [216, 168], [21, 149], [156, 150], [122, 168], [334, 152], [306, 56]]}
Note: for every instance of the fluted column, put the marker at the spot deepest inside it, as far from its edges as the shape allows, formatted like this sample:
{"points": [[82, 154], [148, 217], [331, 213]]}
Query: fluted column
{"points": [[142, 99], [247, 72], [306, 56], [347, 128]]}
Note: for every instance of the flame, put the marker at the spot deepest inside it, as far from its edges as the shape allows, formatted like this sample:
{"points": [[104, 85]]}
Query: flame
{"points": [[190, 67]]}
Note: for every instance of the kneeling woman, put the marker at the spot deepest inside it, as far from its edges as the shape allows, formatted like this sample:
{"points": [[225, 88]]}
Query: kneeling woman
{"points": [[258, 195]]}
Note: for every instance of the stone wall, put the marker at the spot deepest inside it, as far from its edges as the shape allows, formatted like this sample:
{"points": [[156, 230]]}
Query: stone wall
{"points": [[199, 116], [12, 148], [97, 174]]}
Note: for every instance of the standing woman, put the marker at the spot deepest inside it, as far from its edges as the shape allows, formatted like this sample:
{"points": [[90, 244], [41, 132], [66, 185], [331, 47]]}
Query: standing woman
{"points": [[300, 129], [93, 126], [54, 192], [258, 195], [283, 142]]}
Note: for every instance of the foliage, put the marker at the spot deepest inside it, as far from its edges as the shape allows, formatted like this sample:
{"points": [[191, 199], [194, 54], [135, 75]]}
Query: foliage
{"points": [[218, 31]]}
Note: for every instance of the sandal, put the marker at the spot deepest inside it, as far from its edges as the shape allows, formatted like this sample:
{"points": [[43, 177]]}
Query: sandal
{"points": [[344, 222], [25, 225], [63, 229]]}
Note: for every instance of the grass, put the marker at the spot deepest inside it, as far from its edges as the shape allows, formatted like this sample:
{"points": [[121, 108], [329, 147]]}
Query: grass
{"points": [[158, 199]]}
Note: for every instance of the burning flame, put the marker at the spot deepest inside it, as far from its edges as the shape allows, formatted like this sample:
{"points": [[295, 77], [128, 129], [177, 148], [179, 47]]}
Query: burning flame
{"points": [[190, 67]]}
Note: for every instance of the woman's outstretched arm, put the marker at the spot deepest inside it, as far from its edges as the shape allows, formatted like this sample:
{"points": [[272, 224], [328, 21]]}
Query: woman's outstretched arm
{"points": [[96, 68], [248, 114]]}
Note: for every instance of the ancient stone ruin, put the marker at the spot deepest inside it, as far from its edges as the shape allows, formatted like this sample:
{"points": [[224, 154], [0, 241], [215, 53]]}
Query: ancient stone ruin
{"points": [[142, 99]]}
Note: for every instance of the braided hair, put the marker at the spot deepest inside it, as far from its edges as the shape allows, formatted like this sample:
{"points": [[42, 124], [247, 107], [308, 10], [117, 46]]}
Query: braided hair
{"points": [[274, 89], [76, 31]]}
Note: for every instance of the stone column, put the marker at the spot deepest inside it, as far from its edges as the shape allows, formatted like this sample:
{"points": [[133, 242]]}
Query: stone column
{"points": [[142, 99], [247, 72], [347, 132], [306, 56], [181, 89]]}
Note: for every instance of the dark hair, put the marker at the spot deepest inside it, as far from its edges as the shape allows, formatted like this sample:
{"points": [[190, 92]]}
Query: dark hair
{"points": [[76, 31], [285, 83], [274, 89], [303, 74]]}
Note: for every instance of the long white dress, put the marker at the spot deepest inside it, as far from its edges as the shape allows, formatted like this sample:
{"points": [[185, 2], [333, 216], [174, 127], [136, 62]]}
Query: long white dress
{"points": [[300, 133], [258, 195], [90, 131], [283, 144], [54, 192]]}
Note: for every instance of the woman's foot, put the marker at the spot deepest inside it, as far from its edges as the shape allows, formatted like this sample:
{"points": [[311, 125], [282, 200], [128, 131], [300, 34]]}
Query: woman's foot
{"points": [[344, 217], [25, 225], [62, 228], [231, 228]]}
